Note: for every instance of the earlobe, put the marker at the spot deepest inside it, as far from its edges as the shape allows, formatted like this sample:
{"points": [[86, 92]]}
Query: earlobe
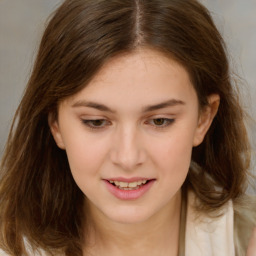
{"points": [[55, 131], [206, 117]]}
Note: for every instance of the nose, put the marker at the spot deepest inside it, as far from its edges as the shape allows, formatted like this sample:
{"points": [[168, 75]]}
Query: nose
{"points": [[127, 149]]}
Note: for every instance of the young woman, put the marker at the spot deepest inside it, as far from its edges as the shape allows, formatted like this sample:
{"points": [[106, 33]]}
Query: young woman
{"points": [[129, 139]]}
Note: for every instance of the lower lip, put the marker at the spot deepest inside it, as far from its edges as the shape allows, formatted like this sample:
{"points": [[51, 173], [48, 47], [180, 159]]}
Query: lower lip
{"points": [[129, 194]]}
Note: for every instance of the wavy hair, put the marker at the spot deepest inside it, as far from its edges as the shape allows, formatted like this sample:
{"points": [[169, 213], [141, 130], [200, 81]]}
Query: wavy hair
{"points": [[39, 199]]}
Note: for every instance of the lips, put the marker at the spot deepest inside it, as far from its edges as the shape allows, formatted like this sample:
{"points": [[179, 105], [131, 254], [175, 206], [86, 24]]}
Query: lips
{"points": [[129, 189]]}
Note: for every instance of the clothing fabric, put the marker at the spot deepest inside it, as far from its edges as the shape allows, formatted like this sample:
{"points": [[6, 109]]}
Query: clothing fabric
{"points": [[226, 235], [209, 236]]}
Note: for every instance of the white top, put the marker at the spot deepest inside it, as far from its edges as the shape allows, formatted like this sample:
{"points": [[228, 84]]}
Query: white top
{"points": [[209, 236]]}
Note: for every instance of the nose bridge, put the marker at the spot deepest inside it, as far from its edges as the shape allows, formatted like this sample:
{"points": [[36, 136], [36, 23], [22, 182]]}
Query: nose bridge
{"points": [[127, 149]]}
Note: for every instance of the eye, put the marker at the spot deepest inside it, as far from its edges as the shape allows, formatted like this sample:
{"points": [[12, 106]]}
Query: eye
{"points": [[160, 122], [96, 123]]}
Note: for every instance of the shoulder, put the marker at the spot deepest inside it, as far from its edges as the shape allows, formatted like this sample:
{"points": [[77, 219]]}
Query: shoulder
{"points": [[2, 253], [244, 224], [209, 232], [29, 251], [227, 232], [251, 251]]}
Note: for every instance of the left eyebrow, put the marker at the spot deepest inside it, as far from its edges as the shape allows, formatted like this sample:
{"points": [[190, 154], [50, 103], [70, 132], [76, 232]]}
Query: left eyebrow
{"points": [[168, 103]]}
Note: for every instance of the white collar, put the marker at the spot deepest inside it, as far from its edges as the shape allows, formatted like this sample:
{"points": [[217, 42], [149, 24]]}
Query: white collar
{"points": [[209, 236]]}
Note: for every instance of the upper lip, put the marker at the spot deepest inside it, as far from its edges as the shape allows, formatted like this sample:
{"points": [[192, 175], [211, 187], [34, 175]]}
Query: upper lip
{"points": [[128, 180]]}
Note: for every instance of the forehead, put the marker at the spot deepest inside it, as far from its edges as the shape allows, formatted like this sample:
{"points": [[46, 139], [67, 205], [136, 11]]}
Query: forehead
{"points": [[141, 76], [140, 64]]}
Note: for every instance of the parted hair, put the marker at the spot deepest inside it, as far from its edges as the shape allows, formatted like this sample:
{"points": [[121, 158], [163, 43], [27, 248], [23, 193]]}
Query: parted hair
{"points": [[40, 204]]}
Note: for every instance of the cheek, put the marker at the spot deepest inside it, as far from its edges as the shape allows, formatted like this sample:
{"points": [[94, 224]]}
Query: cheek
{"points": [[175, 159], [85, 155], [173, 164], [85, 161], [173, 155]]}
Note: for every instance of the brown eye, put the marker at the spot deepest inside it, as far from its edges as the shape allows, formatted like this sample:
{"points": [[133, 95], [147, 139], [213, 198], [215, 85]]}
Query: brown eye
{"points": [[96, 124], [159, 121]]}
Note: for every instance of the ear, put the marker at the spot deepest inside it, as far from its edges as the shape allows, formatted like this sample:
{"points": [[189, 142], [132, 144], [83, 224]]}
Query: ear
{"points": [[55, 130], [206, 117]]}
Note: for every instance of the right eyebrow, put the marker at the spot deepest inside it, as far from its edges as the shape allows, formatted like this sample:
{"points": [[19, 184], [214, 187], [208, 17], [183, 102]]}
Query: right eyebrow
{"points": [[95, 105]]}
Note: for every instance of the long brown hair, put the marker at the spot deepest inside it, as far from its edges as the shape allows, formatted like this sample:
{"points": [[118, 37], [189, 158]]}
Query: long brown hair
{"points": [[39, 199]]}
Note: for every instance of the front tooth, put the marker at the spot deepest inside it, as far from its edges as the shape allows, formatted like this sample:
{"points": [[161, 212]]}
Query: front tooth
{"points": [[117, 183], [123, 184], [128, 185], [133, 184]]}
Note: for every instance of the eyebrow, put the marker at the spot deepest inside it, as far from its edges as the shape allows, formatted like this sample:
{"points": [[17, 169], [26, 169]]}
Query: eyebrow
{"points": [[101, 107], [90, 104], [165, 104]]}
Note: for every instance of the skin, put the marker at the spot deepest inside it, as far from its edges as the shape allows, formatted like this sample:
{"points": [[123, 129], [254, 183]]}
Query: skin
{"points": [[131, 142]]}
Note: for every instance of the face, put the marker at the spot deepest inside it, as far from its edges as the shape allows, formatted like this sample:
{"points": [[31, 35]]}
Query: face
{"points": [[129, 135]]}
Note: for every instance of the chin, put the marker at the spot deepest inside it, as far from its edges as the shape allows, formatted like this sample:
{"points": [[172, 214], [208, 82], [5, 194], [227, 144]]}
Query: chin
{"points": [[129, 216]]}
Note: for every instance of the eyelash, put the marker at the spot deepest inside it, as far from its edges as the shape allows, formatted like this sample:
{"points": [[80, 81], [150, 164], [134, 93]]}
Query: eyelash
{"points": [[167, 122], [90, 123]]}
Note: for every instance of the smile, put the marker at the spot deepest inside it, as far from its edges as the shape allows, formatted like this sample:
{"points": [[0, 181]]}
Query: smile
{"points": [[129, 189], [128, 185]]}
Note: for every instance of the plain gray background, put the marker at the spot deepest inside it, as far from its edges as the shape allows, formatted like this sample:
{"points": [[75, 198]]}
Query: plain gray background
{"points": [[22, 23]]}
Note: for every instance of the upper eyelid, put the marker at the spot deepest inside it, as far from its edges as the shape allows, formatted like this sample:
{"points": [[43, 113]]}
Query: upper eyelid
{"points": [[93, 120], [107, 120], [164, 118], [167, 120]]}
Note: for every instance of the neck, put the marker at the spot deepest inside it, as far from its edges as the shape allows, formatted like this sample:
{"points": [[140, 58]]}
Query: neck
{"points": [[158, 235]]}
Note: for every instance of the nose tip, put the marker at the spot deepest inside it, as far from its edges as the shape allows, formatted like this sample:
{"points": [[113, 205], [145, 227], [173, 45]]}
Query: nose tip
{"points": [[128, 161], [127, 152]]}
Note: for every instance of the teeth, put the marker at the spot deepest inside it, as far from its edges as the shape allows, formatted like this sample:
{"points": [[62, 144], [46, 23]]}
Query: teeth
{"points": [[127, 185], [117, 183], [134, 184], [123, 184]]}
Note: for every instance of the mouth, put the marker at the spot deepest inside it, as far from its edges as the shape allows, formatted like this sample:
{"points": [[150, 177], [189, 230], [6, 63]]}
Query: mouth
{"points": [[128, 185], [129, 189]]}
